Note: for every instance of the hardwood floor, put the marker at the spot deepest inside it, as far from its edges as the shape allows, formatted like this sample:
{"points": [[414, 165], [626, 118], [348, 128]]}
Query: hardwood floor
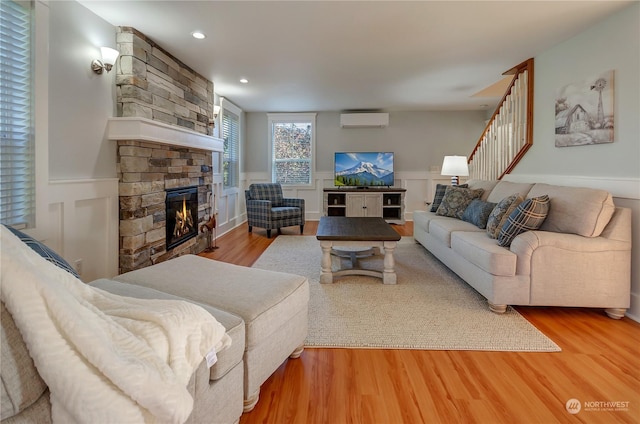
{"points": [[599, 364]]}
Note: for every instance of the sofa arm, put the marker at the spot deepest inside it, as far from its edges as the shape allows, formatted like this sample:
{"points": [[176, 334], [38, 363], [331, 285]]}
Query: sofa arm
{"points": [[529, 242], [571, 270], [258, 212]]}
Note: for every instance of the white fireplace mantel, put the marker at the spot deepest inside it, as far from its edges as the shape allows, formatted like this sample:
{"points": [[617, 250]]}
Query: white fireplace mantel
{"points": [[143, 129]]}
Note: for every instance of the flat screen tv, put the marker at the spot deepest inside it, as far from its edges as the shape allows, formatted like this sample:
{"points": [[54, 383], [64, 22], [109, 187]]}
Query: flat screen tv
{"points": [[363, 169]]}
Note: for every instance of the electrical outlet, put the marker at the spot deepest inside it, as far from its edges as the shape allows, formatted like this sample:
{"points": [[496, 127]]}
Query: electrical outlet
{"points": [[78, 266]]}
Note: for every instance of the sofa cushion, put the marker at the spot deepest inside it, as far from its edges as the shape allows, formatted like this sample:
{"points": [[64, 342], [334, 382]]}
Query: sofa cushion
{"points": [[576, 210], [500, 213], [442, 228], [455, 201], [234, 326], [478, 213], [507, 188], [437, 198], [482, 251], [529, 215], [486, 185], [21, 384], [44, 251]]}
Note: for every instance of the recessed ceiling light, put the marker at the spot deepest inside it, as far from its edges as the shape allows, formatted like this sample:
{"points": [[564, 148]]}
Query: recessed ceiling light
{"points": [[244, 80], [198, 35]]}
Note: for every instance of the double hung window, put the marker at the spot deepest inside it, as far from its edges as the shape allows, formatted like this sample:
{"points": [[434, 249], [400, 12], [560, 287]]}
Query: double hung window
{"points": [[291, 141]]}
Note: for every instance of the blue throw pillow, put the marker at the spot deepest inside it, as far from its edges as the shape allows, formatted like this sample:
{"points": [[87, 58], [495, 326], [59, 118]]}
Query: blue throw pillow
{"points": [[478, 213], [44, 251]]}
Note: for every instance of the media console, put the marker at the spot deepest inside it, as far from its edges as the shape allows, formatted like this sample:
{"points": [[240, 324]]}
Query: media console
{"points": [[387, 203]]}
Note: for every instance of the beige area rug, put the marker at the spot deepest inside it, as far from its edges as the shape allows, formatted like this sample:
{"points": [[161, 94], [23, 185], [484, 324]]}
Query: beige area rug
{"points": [[429, 308]]}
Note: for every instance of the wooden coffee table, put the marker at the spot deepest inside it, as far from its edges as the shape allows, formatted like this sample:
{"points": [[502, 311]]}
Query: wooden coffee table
{"points": [[357, 232]]}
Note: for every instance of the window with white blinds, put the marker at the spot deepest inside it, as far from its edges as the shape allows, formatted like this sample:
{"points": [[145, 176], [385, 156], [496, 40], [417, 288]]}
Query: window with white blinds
{"points": [[17, 148], [231, 137]]}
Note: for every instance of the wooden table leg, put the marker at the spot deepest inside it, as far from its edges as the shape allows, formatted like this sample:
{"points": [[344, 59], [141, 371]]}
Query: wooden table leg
{"points": [[389, 274], [326, 276]]}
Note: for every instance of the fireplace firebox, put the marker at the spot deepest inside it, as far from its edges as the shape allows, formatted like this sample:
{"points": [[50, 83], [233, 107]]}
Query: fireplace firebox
{"points": [[182, 215]]}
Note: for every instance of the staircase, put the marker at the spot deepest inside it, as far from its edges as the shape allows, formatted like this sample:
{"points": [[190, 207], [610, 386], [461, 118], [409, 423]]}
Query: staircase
{"points": [[509, 133]]}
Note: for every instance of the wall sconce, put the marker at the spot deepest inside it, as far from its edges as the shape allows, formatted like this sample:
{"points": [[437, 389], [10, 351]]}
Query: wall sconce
{"points": [[454, 166], [216, 112], [109, 57]]}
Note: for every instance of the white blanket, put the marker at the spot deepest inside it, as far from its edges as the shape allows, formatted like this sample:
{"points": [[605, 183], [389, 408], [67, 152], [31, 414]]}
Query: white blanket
{"points": [[105, 358]]}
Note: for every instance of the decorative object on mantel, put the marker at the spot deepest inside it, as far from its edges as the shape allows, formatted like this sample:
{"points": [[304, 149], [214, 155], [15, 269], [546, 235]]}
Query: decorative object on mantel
{"points": [[584, 111], [455, 166], [210, 227], [109, 57]]}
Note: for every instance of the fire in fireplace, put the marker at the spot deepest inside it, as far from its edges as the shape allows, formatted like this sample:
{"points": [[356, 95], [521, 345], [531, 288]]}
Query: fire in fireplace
{"points": [[182, 215]]}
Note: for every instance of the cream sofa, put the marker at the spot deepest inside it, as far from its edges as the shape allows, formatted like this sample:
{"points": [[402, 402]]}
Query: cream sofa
{"points": [[264, 313], [581, 256]]}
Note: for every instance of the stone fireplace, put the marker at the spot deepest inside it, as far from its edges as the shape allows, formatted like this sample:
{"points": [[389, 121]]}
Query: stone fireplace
{"points": [[165, 111], [153, 157]]}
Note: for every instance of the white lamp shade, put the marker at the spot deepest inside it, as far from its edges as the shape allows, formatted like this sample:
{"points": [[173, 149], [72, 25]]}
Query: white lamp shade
{"points": [[216, 109], [109, 55], [455, 166]]}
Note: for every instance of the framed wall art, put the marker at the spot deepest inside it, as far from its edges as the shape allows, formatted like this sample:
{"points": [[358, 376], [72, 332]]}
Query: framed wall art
{"points": [[584, 111]]}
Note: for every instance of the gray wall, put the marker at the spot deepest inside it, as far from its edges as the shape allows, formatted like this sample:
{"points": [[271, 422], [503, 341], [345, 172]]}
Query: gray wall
{"points": [[611, 44], [419, 139], [80, 101]]}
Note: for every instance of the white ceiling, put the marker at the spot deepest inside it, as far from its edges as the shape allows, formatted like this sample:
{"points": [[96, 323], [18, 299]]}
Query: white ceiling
{"points": [[355, 55]]}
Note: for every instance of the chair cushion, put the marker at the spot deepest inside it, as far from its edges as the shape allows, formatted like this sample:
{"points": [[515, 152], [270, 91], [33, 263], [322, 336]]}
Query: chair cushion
{"points": [[529, 215], [267, 191], [285, 212]]}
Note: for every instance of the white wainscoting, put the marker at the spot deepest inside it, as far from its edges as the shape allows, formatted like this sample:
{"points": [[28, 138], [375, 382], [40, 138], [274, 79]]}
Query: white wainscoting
{"points": [[83, 214], [82, 224]]}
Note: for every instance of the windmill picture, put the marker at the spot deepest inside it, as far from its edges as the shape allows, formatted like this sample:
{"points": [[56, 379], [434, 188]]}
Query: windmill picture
{"points": [[584, 112]]}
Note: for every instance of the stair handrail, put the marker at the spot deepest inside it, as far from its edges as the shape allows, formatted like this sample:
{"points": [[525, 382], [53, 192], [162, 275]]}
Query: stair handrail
{"points": [[505, 161]]}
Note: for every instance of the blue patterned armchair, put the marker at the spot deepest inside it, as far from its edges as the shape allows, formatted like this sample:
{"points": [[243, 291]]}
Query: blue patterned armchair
{"points": [[268, 209]]}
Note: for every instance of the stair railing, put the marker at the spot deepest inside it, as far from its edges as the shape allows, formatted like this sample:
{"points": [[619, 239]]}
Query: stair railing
{"points": [[509, 132]]}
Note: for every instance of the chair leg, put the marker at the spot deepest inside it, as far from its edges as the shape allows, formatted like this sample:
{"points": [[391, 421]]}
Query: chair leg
{"points": [[302, 229], [250, 228], [268, 233]]}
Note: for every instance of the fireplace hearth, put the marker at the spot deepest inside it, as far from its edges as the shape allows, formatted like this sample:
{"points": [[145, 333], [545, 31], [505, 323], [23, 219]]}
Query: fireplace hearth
{"points": [[182, 215]]}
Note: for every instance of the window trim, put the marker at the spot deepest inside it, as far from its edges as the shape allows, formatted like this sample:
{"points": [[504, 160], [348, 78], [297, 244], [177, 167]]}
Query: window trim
{"points": [[227, 105], [273, 118]]}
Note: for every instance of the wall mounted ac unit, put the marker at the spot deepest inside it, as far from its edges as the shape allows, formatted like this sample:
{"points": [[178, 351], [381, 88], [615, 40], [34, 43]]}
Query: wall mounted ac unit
{"points": [[364, 120]]}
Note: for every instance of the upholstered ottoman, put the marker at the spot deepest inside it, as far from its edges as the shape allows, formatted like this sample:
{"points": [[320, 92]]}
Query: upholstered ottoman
{"points": [[222, 382], [273, 305]]}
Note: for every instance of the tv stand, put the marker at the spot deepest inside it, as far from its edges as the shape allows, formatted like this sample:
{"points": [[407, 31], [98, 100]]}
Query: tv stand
{"points": [[387, 203]]}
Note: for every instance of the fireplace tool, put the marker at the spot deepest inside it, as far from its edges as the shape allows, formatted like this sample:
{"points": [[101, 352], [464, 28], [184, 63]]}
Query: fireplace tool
{"points": [[210, 226]]}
